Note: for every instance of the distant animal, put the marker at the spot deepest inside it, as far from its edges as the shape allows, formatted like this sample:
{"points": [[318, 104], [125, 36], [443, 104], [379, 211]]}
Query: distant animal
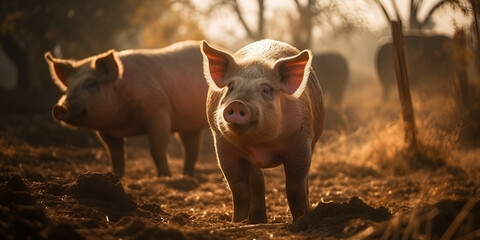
{"points": [[136, 92], [333, 72], [430, 63]]}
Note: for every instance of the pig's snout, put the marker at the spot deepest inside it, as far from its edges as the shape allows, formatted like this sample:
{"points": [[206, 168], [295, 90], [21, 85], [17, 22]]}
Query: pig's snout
{"points": [[59, 112], [237, 113]]}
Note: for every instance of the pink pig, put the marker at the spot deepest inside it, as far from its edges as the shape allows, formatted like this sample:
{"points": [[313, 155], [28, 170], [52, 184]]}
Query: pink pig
{"points": [[265, 108], [135, 92]]}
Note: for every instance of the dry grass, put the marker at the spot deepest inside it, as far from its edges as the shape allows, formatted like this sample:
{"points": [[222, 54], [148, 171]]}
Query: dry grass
{"points": [[443, 131]]}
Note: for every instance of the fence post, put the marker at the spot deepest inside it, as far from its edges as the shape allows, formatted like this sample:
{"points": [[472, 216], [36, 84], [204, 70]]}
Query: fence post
{"points": [[461, 60], [403, 87]]}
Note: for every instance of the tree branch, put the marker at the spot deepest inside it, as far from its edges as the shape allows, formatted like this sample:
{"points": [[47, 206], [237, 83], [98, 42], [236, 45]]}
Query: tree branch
{"points": [[261, 9], [419, 3], [430, 13], [413, 20], [384, 10], [242, 20], [397, 13], [414, 7], [299, 7]]}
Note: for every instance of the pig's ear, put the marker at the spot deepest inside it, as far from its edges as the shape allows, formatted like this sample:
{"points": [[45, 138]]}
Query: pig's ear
{"points": [[294, 72], [109, 64], [60, 69], [216, 64]]}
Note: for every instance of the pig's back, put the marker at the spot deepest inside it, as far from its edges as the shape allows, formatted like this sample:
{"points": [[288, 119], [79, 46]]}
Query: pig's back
{"points": [[174, 72], [267, 50]]}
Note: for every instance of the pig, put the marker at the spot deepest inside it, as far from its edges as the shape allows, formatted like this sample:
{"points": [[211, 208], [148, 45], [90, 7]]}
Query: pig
{"points": [[264, 108], [136, 92], [333, 73], [430, 60]]}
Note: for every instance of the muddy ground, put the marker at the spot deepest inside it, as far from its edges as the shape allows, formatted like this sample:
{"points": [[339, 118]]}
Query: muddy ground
{"points": [[364, 182]]}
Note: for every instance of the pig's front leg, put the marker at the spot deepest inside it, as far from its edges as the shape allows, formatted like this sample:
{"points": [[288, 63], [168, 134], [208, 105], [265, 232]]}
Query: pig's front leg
{"points": [[158, 136], [258, 212], [116, 149], [191, 142], [236, 172], [296, 180]]}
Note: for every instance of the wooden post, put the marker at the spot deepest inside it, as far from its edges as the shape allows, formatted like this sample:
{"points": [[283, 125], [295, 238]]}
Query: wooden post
{"points": [[403, 85], [461, 59]]}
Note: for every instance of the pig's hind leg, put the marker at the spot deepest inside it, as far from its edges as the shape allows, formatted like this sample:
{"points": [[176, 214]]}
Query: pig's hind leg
{"points": [[116, 150], [158, 137], [191, 143]]}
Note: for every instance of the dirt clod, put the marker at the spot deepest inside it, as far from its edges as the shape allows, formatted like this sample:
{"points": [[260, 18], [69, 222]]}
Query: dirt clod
{"points": [[16, 184], [334, 218], [104, 187]]}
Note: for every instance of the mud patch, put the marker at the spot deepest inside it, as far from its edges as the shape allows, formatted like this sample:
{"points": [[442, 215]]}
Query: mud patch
{"points": [[340, 219], [139, 229], [64, 231], [20, 214]]}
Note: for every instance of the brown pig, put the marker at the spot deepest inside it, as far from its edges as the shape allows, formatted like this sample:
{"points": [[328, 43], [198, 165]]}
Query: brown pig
{"points": [[136, 92], [265, 108]]}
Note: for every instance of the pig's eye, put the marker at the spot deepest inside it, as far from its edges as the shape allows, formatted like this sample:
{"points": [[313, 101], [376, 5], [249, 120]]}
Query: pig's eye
{"points": [[91, 85], [266, 91], [230, 87]]}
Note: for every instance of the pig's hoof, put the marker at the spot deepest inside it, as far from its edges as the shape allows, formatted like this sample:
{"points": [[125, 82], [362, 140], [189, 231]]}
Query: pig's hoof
{"points": [[120, 174], [257, 219], [164, 174]]}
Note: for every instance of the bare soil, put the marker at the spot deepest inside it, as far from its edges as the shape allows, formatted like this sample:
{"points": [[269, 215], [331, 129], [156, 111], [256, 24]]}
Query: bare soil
{"points": [[364, 184]]}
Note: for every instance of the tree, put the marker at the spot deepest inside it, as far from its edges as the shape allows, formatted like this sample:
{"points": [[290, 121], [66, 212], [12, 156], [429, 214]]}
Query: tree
{"points": [[29, 28], [302, 33], [414, 19], [234, 6], [75, 29], [302, 20], [475, 5]]}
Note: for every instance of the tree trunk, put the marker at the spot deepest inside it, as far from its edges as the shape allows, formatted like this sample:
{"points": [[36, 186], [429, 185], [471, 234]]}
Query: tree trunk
{"points": [[476, 28], [403, 83], [461, 64]]}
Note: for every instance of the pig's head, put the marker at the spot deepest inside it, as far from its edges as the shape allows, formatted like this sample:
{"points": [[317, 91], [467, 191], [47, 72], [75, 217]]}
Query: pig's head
{"points": [[88, 87], [253, 92]]}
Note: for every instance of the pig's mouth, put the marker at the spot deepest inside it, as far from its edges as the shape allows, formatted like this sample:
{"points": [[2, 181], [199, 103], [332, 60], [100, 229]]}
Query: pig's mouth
{"points": [[239, 128], [82, 114], [77, 118], [62, 113]]}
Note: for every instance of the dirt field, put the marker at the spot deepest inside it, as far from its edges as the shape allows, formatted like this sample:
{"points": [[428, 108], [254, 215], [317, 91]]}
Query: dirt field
{"points": [[364, 183]]}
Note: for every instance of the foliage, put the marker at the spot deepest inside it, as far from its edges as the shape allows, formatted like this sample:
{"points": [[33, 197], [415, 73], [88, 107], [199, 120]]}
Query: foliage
{"points": [[77, 29], [414, 19], [298, 22]]}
